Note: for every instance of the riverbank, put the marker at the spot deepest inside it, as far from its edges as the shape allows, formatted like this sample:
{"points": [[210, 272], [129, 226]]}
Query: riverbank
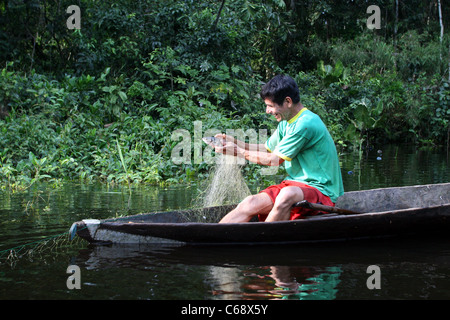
{"points": [[68, 133]]}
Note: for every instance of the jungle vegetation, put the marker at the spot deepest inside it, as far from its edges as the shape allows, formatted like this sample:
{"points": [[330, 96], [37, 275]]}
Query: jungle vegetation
{"points": [[100, 103]]}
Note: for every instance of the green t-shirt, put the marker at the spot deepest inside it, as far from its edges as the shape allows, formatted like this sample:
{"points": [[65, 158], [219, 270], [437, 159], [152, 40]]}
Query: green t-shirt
{"points": [[309, 153]]}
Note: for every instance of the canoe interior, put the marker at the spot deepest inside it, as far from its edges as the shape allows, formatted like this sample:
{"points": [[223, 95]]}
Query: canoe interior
{"points": [[375, 200], [390, 199], [205, 215]]}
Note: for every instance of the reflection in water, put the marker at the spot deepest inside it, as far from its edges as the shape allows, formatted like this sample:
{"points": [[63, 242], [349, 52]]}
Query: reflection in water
{"points": [[323, 286], [225, 282], [227, 272], [410, 269], [319, 287], [276, 282]]}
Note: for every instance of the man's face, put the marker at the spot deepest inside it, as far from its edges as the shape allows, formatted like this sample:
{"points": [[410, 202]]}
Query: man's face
{"points": [[280, 112]]}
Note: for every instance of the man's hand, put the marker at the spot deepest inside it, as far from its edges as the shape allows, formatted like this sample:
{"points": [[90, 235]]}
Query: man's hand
{"points": [[224, 138], [231, 149], [229, 146]]}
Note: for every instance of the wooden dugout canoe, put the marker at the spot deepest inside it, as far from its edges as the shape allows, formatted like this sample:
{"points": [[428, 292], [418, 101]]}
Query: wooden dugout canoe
{"points": [[420, 210]]}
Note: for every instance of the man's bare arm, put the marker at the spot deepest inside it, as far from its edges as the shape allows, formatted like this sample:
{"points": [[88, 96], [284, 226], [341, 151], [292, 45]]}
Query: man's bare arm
{"points": [[262, 157]]}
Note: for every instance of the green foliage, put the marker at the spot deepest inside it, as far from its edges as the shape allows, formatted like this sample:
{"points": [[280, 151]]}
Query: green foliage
{"points": [[330, 74], [101, 103]]}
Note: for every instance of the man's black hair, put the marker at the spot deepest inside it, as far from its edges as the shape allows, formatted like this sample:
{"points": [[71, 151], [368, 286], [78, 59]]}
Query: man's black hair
{"points": [[280, 87]]}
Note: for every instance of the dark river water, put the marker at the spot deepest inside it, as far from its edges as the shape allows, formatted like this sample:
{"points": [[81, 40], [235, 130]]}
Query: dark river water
{"points": [[34, 223]]}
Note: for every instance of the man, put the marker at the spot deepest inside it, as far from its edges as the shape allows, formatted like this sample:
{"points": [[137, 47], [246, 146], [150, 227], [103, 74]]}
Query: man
{"points": [[303, 144]]}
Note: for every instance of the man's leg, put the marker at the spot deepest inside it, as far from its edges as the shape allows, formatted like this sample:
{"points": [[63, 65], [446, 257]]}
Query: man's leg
{"points": [[283, 203], [249, 207]]}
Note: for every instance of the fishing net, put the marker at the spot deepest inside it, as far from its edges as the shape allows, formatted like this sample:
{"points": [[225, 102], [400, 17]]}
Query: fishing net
{"points": [[227, 185], [54, 245]]}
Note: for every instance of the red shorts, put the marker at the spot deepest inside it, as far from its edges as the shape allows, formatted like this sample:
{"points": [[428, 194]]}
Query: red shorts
{"points": [[310, 194]]}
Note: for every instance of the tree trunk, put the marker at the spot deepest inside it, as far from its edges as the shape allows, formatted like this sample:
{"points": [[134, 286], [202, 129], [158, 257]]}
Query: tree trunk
{"points": [[395, 34], [442, 28], [218, 14]]}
